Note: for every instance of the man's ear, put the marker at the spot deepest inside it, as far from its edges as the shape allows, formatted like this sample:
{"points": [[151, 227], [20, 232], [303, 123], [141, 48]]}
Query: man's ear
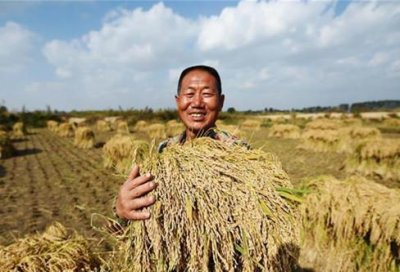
{"points": [[176, 100], [221, 101]]}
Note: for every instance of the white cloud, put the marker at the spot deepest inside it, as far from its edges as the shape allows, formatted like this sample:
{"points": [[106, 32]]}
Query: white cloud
{"points": [[16, 43], [269, 53]]}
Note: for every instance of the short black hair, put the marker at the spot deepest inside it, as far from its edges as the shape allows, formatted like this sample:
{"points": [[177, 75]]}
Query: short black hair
{"points": [[212, 71]]}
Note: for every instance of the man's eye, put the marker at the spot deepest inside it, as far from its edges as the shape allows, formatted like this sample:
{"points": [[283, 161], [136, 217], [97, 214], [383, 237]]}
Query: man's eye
{"points": [[189, 94]]}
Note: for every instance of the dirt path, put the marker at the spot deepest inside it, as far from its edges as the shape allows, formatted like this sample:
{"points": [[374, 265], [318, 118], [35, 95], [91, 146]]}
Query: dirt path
{"points": [[51, 180]]}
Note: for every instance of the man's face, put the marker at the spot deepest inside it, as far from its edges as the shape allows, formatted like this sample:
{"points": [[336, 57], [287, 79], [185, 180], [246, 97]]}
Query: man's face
{"points": [[198, 102]]}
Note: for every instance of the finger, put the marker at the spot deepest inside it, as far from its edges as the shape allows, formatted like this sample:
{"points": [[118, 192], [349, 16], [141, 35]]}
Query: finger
{"points": [[139, 215], [141, 190], [134, 172], [143, 202], [138, 181]]}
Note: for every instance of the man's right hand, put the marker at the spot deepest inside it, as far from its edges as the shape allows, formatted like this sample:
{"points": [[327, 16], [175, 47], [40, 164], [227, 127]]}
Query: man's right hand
{"points": [[132, 197]]}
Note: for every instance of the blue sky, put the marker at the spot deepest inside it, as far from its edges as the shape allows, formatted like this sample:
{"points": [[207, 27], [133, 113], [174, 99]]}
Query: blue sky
{"points": [[281, 54]]}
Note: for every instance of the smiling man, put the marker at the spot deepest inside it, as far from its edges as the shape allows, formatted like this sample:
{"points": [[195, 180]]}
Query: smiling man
{"points": [[199, 101]]}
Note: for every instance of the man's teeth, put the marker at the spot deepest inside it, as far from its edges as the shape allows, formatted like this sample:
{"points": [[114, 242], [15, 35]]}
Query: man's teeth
{"points": [[197, 114]]}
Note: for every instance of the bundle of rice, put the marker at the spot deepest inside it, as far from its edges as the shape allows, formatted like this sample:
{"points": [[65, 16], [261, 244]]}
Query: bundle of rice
{"points": [[121, 151], [113, 120], [19, 130], [353, 136], [52, 125], [324, 124], [174, 128], [250, 124], [285, 131], [351, 225], [54, 250], [218, 209], [77, 122], [84, 138], [376, 158], [65, 130], [140, 125], [392, 122], [156, 131], [103, 126], [122, 127], [6, 147], [320, 140]]}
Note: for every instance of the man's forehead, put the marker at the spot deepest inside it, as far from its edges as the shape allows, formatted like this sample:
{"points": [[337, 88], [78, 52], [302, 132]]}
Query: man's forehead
{"points": [[198, 77]]}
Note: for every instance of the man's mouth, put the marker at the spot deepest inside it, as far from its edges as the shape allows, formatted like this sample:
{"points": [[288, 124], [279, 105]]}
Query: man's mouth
{"points": [[197, 116]]}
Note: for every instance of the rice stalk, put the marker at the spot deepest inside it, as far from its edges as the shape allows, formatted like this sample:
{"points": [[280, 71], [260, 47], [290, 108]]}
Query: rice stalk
{"points": [[84, 138], [54, 250], [217, 209], [350, 225]]}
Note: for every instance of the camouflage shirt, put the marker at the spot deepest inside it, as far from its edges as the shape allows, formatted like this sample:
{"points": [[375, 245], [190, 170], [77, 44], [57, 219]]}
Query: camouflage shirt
{"points": [[213, 133]]}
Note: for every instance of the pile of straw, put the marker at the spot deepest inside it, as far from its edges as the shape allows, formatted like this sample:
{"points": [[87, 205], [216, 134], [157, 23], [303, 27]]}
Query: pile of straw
{"points": [[65, 130], [156, 131], [320, 140], [353, 136], [350, 225], [52, 125], [84, 138], [103, 126], [6, 147], [377, 158], [250, 125], [392, 122], [285, 131], [122, 127], [218, 209], [174, 128], [54, 250], [140, 125], [78, 122], [121, 151], [113, 121], [19, 130], [324, 124]]}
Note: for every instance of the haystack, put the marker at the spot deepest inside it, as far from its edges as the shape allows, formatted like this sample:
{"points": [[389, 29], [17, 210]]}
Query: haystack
{"points": [[77, 122], [122, 127], [113, 120], [218, 209], [286, 131], [6, 147], [351, 137], [84, 138], [320, 140], [19, 130], [65, 130], [250, 125], [392, 122], [54, 250], [52, 125], [156, 131], [174, 128], [103, 126], [376, 158], [324, 124], [140, 125], [350, 225], [121, 151]]}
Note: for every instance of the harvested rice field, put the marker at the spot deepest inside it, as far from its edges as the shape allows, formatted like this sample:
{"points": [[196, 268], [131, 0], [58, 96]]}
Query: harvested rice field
{"points": [[55, 191]]}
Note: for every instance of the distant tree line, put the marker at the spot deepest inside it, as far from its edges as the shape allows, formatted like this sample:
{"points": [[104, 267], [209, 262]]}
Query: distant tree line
{"points": [[38, 118]]}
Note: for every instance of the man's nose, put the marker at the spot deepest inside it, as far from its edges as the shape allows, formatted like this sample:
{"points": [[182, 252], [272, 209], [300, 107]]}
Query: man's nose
{"points": [[197, 100]]}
